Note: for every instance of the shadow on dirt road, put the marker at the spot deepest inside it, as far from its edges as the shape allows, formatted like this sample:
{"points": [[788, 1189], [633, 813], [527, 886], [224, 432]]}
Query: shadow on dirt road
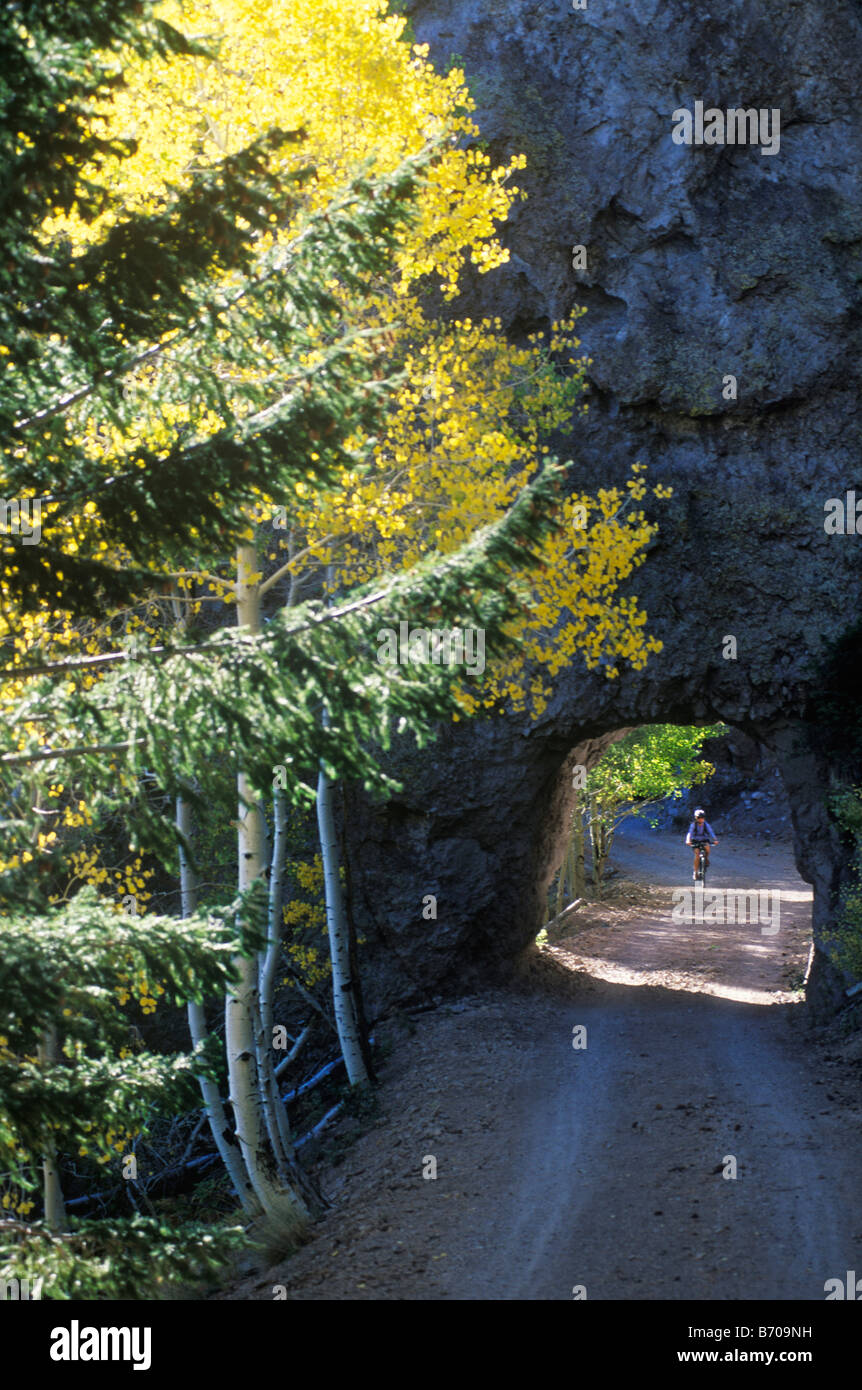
{"points": [[702, 1145]]}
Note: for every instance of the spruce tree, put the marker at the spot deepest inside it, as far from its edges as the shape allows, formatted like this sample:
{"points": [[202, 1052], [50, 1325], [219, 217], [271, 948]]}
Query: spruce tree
{"points": [[134, 412]]}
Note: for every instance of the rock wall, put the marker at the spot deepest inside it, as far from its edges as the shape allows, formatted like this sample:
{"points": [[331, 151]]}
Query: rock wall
{"points": [[702, 261]]}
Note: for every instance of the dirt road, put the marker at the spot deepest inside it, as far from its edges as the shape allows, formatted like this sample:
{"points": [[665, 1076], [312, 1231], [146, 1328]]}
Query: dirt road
{"points": [[602, 1168]]}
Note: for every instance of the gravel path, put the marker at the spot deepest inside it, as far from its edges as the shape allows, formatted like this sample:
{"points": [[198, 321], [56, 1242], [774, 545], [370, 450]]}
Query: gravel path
{"points": [[602, 1167]]}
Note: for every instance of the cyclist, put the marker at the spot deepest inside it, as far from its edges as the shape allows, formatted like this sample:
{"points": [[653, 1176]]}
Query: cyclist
{"points": [[700, 832]]}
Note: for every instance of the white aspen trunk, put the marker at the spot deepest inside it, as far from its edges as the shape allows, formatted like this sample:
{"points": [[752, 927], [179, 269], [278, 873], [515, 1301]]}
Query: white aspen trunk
{"points": [[269, 1097], [263, 1039], [276, 1111], [344, 998], [241, 1007], [346, 1017], [55, 1206], [230, 1154]]}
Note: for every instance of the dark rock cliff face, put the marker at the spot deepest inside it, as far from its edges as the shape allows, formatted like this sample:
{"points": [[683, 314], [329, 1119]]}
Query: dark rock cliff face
{"points": [[702, 261]]}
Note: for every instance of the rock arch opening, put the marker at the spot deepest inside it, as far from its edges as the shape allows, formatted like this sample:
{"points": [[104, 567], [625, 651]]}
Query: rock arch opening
{"points": [[481, 824], [623, 905]]}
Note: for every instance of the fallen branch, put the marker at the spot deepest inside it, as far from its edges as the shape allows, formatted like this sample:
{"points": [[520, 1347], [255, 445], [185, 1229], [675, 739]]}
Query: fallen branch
{"points": [[163, 1179], [556, 922], [296, 1049], [330, 1115], [318, 1077]]}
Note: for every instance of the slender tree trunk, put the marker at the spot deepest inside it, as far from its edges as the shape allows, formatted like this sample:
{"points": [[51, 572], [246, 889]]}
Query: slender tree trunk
{"points": [[346, 1013], [596, 844], [276, 1115], [578, 884], [241, 1007], [602, 845], [356, 977], [55, 1206], [215, 1111], [560, 887], [570, 882], [275, 1111], [610, 831], [219, 1127], [570, 867]]}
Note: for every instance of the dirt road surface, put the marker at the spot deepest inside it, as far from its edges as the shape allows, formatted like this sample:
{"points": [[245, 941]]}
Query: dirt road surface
{"points": [[702, 1145]]}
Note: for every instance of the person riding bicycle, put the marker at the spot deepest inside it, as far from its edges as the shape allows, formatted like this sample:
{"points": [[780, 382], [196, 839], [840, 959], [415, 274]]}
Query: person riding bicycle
{"points": [[700, 832]]}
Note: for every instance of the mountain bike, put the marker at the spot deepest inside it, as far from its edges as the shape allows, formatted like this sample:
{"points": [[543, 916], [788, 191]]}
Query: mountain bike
{"points": [[700, 862]]}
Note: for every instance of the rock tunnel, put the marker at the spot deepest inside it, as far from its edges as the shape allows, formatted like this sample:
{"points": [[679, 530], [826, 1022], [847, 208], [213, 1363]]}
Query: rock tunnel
{"points": [[700, 263]]}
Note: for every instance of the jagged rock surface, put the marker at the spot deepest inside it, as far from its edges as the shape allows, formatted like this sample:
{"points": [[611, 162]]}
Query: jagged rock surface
{"points": [[702, 262]]}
